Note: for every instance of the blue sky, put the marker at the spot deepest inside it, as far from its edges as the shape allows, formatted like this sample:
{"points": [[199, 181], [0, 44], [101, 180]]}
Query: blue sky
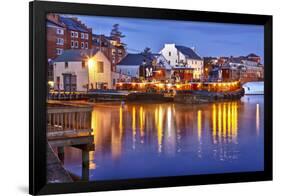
{"points": [[209, 39]]}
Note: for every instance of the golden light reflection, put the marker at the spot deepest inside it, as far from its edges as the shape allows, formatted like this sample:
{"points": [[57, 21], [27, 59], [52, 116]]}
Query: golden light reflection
{"points": [[160, 128], [116, 143], [228, 120], [214, 118], [92, 164], [234, 131], [141, 116], [219, 123], [134, 126], [120, 119], [169, 120], [258, 118], [199, 122], [225, 122]]}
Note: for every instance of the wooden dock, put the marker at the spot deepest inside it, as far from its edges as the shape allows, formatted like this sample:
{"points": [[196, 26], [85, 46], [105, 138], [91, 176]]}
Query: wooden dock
{"points": [[69, 125]]}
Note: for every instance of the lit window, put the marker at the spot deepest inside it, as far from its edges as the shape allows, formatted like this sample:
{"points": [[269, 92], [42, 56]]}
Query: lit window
{"points": [[99, 67]]}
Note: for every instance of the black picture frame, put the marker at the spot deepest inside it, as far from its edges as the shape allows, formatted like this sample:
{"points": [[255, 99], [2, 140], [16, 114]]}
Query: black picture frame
{"points": [[38, 92]]}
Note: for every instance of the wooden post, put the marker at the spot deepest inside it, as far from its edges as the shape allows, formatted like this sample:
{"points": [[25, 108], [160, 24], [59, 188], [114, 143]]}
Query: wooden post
{"points": [[61, 154], [85, 165]]}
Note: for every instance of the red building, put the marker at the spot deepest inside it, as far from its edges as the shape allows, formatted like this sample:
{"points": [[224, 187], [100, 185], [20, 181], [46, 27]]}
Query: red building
{"points": [[78, 35], [56, 36], [65, 33]]}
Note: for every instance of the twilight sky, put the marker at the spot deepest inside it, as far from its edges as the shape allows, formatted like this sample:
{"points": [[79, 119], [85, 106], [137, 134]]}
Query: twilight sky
{"points": [[209, 39]]}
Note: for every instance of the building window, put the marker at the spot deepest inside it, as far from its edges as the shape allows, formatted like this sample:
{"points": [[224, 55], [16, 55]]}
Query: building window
{"points": [[59, 51], [74, 34], [76, 44], [170, 54], [86, 36], [66, 65], [86, 45], [82, 44], [60, 41], [82, 35], [99, 67], [72, 44], [60, 31]]}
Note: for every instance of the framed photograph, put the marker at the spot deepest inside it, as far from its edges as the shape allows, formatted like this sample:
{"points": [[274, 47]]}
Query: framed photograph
{"points": [[130, 97]]}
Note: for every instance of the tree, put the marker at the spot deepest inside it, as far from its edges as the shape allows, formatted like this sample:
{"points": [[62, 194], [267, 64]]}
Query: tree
{"points": [[116, 33], [146, 51]]}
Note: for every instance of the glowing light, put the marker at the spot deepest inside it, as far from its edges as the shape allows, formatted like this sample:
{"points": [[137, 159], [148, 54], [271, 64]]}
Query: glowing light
{"points": [[51, 83], [91, 62]]}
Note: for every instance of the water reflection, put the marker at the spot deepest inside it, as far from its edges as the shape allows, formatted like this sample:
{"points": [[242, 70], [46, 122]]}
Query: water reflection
{"points": [[149, 139]]}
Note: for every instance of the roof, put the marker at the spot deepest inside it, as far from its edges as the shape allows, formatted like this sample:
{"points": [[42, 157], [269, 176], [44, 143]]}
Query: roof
{"points": [[135, 59], [49, 22], [75, 55], [252, 55], [188, 52], [99, 35], [72, 24]]}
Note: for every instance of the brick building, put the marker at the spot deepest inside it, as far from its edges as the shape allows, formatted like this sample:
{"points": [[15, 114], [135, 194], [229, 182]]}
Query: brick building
{"points": [[65, 33]]}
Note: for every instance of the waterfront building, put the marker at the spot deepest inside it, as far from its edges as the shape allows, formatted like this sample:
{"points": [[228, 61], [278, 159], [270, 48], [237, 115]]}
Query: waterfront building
{"points": [[111, 47], [182, 56], [65, 33], [245, 68], [146, 66], [81, 70]]}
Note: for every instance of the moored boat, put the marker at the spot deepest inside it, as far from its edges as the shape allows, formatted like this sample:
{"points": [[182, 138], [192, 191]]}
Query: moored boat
{"points": [[254, 88]]}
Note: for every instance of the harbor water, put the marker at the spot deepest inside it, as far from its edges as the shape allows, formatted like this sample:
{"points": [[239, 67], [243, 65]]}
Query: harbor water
{"points": [[140, 140]]}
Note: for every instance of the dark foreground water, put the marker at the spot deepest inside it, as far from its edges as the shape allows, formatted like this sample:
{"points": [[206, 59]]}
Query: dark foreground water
{"points": [[152, 140]]}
